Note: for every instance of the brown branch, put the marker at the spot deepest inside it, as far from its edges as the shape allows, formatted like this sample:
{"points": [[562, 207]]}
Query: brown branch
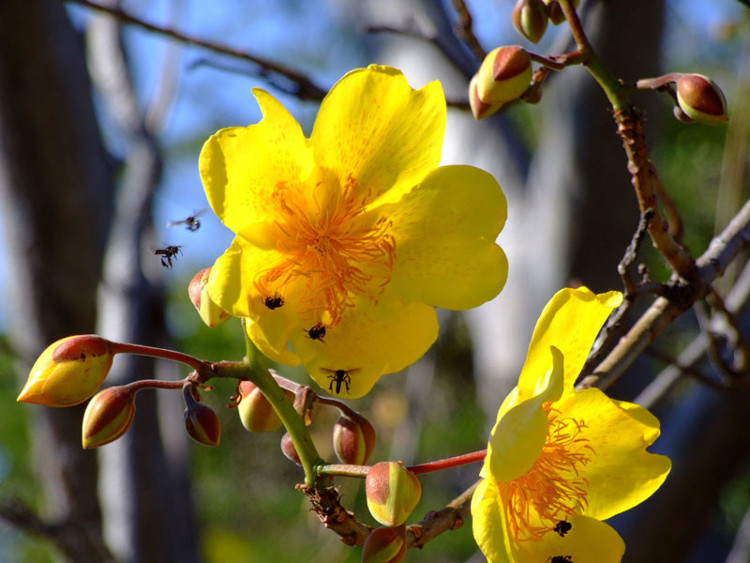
{"points": [[463, 30], [306, 89]]}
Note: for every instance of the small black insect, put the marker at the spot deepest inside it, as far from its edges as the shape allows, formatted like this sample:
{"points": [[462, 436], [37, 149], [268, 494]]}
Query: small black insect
{"points": [[563, 527], [339, 377], [276, 301], [317, 332], [191, 222], [167, 254], [560, 559]]}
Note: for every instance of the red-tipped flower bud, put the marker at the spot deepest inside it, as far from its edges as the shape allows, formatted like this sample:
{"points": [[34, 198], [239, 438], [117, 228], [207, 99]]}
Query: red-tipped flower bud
{"points": [[108, 416], [256, 413], [287, 446], [504, 75], [701, 99], [385, 545], [479, 109], [353, 439], [392, 492], [201, 422], [529, 17], [209, 312], [68, 372]]}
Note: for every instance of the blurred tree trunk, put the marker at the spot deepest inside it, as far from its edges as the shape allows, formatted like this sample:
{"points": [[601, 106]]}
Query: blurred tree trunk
{"points": [[56, 188]]}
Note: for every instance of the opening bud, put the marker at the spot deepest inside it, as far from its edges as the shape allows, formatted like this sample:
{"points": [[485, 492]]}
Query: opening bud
{"points": [[529, 17], [385, 545], [353, 439], [256, 413], [392, 492], [108, 416], [504, 75], [287, 447], [201, 422], [701, 99], [68, 372], [209, 312]]}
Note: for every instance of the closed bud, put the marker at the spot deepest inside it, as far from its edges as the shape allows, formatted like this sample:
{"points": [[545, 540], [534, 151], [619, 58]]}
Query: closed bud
{"points": [[209, 312], [68, 372], [479, 109], [353, 439], [392, 492], [554, 11], [701, 99], [108, 416], [256, 413], [201, 422], [287, 447], [385, 545], [504, 75], [529, 17]]}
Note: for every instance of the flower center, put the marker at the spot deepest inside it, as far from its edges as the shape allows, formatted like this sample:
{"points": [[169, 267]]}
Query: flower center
{"points": [[331, 246], [552, 489]]}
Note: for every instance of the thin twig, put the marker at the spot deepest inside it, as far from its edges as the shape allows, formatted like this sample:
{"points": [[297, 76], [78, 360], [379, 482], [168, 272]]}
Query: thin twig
{"points": [[306, 88], [463, 30]]}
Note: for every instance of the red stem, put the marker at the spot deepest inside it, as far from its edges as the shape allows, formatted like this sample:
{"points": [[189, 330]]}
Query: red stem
{"points": [[447, 463], [127, 348]]}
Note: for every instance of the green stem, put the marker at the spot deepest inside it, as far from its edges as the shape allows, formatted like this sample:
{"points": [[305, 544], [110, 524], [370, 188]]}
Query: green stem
{"points": [[258, 373]]}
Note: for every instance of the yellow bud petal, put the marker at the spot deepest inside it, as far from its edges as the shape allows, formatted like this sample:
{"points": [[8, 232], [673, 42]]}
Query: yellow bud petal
{"points": [[529, 17], [209, 312], [353, 439], [504, 75], [68, 372], [256, 413], [385, 545], [701, 99], [392, 492], [108, 416]]}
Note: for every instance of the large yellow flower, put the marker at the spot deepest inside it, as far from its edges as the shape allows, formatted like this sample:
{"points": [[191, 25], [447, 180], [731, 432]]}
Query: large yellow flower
{"points": [[560, 461], [345, 241]]}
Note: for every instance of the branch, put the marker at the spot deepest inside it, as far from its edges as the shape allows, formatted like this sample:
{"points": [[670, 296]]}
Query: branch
{"points": [[306, 88], [463, 30]]}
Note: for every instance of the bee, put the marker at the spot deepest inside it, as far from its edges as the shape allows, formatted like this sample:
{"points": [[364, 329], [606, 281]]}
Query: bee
{"points": [[168, 253], [339, 377], [560, 559], [276, 301], [317, 332], [562, 527], [191, 222]]}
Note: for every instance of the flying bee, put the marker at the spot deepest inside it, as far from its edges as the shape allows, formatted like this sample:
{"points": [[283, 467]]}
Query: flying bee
{"points": [[168, 253], [276, 301], [191, 222], [339, 377], [563, 527], [317, 332]]}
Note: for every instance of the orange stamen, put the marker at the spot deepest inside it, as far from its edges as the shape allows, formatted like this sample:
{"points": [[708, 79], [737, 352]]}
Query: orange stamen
{"points": [[333, 246], [552, 489]]}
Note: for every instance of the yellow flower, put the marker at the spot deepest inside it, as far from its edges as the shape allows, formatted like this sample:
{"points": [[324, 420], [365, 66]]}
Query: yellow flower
{"points": [[346, 240], [560, 461]]}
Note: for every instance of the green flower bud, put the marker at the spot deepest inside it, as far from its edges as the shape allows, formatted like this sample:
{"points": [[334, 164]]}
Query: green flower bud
{"points": [[353, 439], [392, 492], [209, 312], [529, 17], [256, 413], [108, 416], [385, 545], [68, 372], [555, 13], [201, 422], [701, 99], [504, 75], [287, 447]]}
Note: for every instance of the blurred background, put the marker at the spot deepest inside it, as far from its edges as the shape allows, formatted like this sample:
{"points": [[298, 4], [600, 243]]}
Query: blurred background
{"points": [[101, 124]]}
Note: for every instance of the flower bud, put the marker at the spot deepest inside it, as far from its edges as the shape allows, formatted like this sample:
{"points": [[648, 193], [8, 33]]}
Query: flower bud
{"points": [[385, 545], [555, 13], [392, 492], [108, 416], [256, 413], [68, 372], [353, 439], [479, 109], [287, 447], [504, 75], [201, 422], [529, 17], [209, 312], [701, 99]]}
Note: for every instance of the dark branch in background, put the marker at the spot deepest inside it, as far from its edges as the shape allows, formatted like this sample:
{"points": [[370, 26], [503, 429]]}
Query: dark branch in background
{"points": [[305, 89], [463, 30], [745, 3]]}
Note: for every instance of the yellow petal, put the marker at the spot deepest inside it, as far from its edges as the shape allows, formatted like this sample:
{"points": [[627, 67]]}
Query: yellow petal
{"points": [[445, 230], [570, 321], [488, 523], [621, 473], [374, 127], [521, 431], [240, 166], [370, 341]]}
